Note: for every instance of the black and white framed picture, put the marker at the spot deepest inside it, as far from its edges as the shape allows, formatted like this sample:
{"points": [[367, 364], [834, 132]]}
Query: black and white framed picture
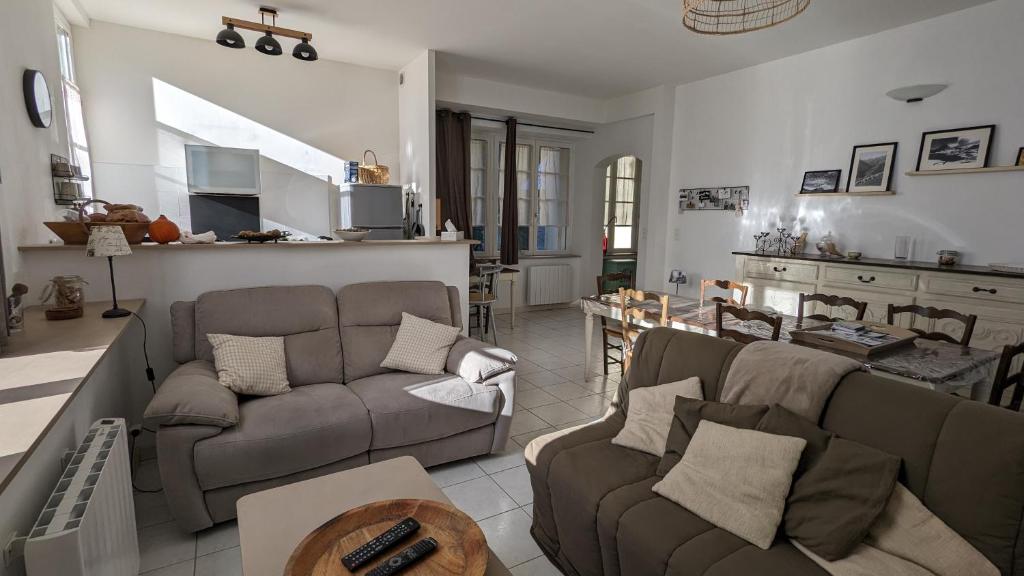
{"points": [[955, 149], [730, 198], [871, 167], [820, 181]]}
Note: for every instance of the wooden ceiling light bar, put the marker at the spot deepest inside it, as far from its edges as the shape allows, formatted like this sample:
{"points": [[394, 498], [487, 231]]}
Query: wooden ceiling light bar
{"points": [[260, 27]]}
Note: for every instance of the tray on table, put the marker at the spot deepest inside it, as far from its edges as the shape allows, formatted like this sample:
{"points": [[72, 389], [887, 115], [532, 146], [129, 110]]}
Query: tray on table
{"points": [[822, 337]]}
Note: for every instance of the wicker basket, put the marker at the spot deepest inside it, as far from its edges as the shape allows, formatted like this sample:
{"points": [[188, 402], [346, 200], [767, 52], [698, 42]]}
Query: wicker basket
{"points": [[373, 173]]}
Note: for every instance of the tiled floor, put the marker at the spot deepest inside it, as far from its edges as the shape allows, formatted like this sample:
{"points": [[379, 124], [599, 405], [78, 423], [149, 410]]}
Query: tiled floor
{"points": [[494, 490]]}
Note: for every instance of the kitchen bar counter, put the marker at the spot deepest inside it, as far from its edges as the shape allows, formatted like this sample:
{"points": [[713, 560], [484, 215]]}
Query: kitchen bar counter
{"points": [[290, 244]]}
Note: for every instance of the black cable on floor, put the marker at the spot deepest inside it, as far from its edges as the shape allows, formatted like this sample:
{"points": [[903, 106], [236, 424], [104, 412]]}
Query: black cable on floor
{"points": [[151, 376]]}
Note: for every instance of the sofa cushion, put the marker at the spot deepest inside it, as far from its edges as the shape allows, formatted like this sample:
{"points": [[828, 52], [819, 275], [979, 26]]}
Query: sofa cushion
{"points": [[579, 479], [650, 415], [307, 317], [371, 313], [253, 366], [412, 408], [688, 413], [420, 346], [611, 509], [309, 427], [476, 361]]}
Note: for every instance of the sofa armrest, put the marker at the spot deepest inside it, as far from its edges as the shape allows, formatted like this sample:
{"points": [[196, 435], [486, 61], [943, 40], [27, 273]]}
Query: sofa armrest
{"points": [[475, 361], [192, 395]]}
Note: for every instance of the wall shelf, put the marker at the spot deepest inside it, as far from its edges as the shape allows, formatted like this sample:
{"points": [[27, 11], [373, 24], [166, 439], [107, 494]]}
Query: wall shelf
{"points": [[844, 194], [967, 171]]}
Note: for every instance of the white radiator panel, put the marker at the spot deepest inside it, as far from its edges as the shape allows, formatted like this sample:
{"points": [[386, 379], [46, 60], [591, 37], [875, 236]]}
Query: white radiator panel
{"points": [[88, 525], [549, 285]]}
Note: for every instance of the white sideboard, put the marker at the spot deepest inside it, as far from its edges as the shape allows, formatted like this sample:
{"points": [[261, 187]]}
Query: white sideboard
{"points": [[996, 298]]}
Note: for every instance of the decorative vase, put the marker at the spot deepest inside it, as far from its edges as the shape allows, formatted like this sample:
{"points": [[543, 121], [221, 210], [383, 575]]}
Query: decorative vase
{"points": [[163, 230]]}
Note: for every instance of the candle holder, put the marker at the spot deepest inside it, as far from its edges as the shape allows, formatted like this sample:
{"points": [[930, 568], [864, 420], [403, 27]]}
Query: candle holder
{"points": [[761, 242]]}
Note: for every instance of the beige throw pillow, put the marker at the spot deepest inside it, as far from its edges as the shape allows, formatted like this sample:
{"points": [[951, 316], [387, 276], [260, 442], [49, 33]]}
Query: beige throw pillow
{"points": [[421, 346], [247, 365], [736, 479], [650, 414]]}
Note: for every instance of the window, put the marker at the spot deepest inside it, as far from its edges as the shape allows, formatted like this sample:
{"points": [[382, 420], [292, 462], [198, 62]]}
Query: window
{"points": [[621, 203], [78, 144], [542, 193]]}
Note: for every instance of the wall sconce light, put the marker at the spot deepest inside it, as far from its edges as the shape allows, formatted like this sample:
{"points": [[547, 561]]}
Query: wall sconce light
{"points": [[917, 93], [267, 44]]}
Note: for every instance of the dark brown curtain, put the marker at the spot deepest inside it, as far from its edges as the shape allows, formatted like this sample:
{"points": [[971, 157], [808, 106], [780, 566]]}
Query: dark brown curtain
{"points": [[454, 132], [510, 203]]}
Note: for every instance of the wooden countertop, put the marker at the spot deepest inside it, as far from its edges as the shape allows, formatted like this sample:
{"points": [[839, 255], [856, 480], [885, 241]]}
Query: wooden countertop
{"points": [[42, 370], [289, 245], [904, 264]]}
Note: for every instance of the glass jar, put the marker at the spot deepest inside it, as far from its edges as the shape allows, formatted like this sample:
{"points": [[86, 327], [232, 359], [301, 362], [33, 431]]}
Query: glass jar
{"points": [[67, 292]]}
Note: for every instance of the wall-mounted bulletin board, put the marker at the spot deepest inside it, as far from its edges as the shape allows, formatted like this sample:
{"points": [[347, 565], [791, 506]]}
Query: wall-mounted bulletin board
{"points": [[728, 198]]}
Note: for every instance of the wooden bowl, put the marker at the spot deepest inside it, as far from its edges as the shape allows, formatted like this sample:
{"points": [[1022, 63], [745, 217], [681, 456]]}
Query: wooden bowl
{"points": [[462, 548], [77, 233]]}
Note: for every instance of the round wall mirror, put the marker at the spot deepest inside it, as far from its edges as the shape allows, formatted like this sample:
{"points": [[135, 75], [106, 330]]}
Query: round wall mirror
{"points": [[37, 98]]}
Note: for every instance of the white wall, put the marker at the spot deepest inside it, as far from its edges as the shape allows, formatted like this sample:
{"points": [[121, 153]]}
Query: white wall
{"points": [[517, 99], [765, 126], [148, 93], [27, 40], [417, 128]]}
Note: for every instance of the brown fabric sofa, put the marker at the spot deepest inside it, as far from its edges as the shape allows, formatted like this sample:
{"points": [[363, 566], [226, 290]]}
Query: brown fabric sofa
{"points": [[595, 513], [343, 411]]}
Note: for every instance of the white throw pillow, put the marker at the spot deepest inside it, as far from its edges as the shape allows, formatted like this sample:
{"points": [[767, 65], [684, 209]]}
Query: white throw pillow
{"points": [[736, 479], [421, 346], [247, 365], [650, 414]]}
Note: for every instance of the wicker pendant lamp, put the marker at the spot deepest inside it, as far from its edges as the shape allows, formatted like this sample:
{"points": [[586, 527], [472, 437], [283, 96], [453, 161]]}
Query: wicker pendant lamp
{"points": [[721, 17]]}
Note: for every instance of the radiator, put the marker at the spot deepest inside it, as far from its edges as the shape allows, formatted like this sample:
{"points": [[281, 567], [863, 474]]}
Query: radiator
{"points": [[549, 285], [88, 525]]}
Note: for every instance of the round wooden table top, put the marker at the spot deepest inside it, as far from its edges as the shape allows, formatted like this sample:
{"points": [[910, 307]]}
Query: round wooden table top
{"points": [[461, 546]]}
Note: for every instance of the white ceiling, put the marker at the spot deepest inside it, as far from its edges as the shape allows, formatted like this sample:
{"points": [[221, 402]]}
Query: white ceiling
{"points": [[598, 48]]}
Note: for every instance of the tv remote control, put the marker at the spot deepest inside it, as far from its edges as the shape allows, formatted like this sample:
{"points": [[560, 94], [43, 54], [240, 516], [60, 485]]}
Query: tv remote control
{"points": [[405, 558], [375, 547]]}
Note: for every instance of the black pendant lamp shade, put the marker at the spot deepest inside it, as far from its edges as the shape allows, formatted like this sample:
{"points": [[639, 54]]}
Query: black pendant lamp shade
{"points": [[228, 37], [269, 45], [304, 51]]}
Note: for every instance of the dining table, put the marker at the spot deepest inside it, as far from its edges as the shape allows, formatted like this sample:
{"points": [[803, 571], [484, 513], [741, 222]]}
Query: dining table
{"points": [[940, 366]]}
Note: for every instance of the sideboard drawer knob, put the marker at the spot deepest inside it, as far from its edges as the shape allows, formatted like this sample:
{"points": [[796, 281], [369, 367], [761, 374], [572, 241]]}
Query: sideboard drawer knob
{"points": [[989, 290], [777, 269], [866, 280]]}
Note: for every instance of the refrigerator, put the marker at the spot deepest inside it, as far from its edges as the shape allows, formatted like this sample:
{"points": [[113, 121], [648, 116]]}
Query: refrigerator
{"points": [[376, 207]]}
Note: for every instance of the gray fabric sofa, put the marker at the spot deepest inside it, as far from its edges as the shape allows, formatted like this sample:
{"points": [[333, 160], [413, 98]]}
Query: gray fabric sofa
{"points": [[596, 515], [344, 410]]}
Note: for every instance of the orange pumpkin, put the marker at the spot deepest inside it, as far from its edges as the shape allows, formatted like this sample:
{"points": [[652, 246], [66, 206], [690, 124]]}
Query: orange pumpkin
{"points": [[163, 230]]}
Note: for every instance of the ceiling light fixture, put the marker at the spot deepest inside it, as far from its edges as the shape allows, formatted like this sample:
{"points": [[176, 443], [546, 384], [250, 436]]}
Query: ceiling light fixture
{"points": [[230, 38], [267, 44], [722, 17], [918, 93]]}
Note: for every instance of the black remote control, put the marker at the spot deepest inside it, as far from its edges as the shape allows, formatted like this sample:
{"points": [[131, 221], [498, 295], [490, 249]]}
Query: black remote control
{"points": [[405, 558], [375, 547]]}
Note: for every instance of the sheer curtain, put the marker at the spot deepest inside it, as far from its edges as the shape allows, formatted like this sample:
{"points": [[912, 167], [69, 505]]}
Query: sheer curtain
{"points": [[510, 208], [454, 131]]}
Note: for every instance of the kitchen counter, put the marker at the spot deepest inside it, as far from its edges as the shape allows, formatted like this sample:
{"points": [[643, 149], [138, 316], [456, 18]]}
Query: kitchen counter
{"points": [[290, 245], [904, 264]]}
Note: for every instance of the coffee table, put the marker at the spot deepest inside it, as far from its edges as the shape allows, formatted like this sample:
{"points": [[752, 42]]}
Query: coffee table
{"points": [[273, 522]]}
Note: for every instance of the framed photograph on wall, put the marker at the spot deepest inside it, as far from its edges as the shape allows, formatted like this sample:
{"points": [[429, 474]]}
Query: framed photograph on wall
{"points": [[820, 181], [871, 168], [955, 149]]}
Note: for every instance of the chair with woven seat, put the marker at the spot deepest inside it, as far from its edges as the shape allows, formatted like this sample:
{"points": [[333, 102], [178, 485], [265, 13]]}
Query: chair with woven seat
{"points": [[482, 298], [773, 322], [933, 314], [832, 302], [729, 285], [632, 313], [1005, 380], [612, 328]]}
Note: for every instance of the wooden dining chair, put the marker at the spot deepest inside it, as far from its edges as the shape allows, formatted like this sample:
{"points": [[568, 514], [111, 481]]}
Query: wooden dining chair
{"points": [[933, 314], [1004, 380], [612, 328], [729, 285], [482, 298], [773, 322], [832, 302], [632, 313]]}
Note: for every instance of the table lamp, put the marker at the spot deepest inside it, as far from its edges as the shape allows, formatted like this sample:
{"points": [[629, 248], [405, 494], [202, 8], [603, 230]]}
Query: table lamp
{"points": [[109, 241]]}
